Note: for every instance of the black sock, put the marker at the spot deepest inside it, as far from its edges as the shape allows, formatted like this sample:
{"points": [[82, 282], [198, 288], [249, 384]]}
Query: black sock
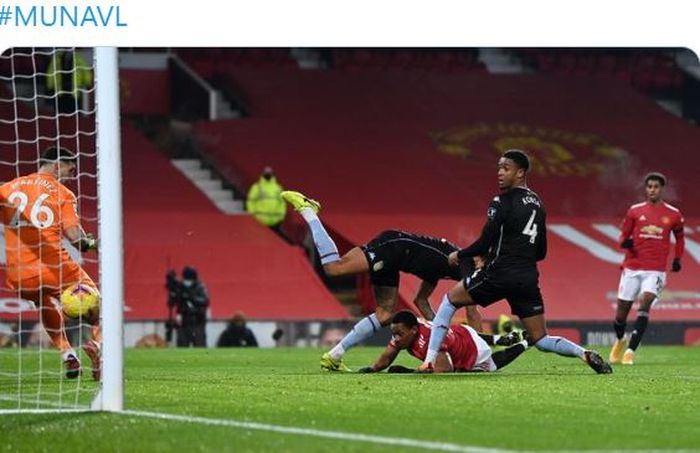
{"points": [[503, 358], [619, 328], [640, 325]]}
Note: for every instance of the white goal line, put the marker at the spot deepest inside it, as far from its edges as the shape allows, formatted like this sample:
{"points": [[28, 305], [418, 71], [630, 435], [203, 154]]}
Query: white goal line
{"points": [[338, 435]]}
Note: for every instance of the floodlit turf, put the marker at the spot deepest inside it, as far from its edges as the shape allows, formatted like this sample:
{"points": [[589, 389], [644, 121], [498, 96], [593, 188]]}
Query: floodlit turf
{"points": [[541, 401]]}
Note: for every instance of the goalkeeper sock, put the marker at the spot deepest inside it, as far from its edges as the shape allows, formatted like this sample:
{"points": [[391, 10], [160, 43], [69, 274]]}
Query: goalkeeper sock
{"points": [[327, 250], [365, 328], [640, 325], [440, 325], [560, 345]]}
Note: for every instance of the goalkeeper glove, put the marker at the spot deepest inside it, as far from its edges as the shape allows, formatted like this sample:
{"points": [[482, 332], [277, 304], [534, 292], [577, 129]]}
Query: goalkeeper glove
{"points": [[627, 244], [676, 265], [86, 243]]}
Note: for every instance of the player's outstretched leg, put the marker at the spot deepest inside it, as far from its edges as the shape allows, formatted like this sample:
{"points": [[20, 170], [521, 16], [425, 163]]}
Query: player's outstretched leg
{"points": [[441, 324], [385, 297], [536, 330], [52, 320], [365, 328], [567, 348], [308, 208]]}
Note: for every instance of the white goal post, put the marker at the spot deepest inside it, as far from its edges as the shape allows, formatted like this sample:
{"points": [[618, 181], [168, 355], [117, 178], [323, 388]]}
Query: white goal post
{"points": [[109, 191]]}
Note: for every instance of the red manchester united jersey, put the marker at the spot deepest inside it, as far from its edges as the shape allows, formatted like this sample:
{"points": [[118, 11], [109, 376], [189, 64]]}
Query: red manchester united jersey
{"points": [[458, 343], [650, 226]]}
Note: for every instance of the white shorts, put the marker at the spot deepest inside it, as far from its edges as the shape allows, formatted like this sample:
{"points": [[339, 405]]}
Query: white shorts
{"points": [[635, 282], [483, 356]]}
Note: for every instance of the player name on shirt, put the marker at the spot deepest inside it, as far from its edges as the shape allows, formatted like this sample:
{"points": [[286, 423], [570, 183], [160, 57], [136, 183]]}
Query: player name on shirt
{"points": [[44, 183], [531, 200]]}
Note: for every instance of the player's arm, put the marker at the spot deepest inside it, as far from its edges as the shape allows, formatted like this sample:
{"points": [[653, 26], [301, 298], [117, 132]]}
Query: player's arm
{"points": [[626, 241], [679, 234], [71, 225], [80, 239], [385, 359], [489, 233], [421, 300]]}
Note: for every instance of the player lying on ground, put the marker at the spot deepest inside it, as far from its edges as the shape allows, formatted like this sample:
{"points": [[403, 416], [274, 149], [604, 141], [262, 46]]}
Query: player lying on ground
{"points": [[37, 211], [463, 350], [515, 239], [646, 234], [384, 257]]}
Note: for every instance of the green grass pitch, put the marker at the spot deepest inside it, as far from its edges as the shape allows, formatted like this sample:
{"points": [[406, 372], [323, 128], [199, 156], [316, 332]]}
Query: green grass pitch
{"points": [[540, 402]]}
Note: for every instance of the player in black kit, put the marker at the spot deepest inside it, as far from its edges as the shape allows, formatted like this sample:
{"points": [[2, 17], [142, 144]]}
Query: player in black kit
{"points": [[384, 257], [514, 239]]}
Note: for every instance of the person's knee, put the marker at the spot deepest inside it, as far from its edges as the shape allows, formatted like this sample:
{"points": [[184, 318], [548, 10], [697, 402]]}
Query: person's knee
{"points": [[646, 301], [535, 333], [624, 304], [458, 296]]}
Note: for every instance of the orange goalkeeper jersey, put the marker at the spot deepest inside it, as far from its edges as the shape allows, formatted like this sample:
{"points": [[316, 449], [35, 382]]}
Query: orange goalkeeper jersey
{"points": [[36, 210]]}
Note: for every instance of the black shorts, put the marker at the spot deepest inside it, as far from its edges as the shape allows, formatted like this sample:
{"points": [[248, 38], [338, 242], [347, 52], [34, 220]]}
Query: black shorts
{"points": [[521, 290], [383, 260]]}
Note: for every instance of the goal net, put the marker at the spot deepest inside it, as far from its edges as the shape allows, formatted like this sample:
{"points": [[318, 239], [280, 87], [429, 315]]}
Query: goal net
{"points": [[51, 98]]}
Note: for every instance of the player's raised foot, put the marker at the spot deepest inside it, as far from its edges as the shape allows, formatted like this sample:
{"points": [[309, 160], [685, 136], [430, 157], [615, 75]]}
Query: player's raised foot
{"points": [[299, 201], [72, 366], [595, 361], [328, 363], [617, 350], [628, 358], [92, 349]]}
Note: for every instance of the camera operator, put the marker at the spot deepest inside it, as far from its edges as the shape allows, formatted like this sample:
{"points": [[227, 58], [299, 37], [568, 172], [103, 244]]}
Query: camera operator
{"points": [[191, 301]]}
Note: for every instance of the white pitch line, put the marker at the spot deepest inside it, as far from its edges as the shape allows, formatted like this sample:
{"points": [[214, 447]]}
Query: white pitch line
{"points": [[42, 411], [617, 450], [60, 407], [339, 435]]}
